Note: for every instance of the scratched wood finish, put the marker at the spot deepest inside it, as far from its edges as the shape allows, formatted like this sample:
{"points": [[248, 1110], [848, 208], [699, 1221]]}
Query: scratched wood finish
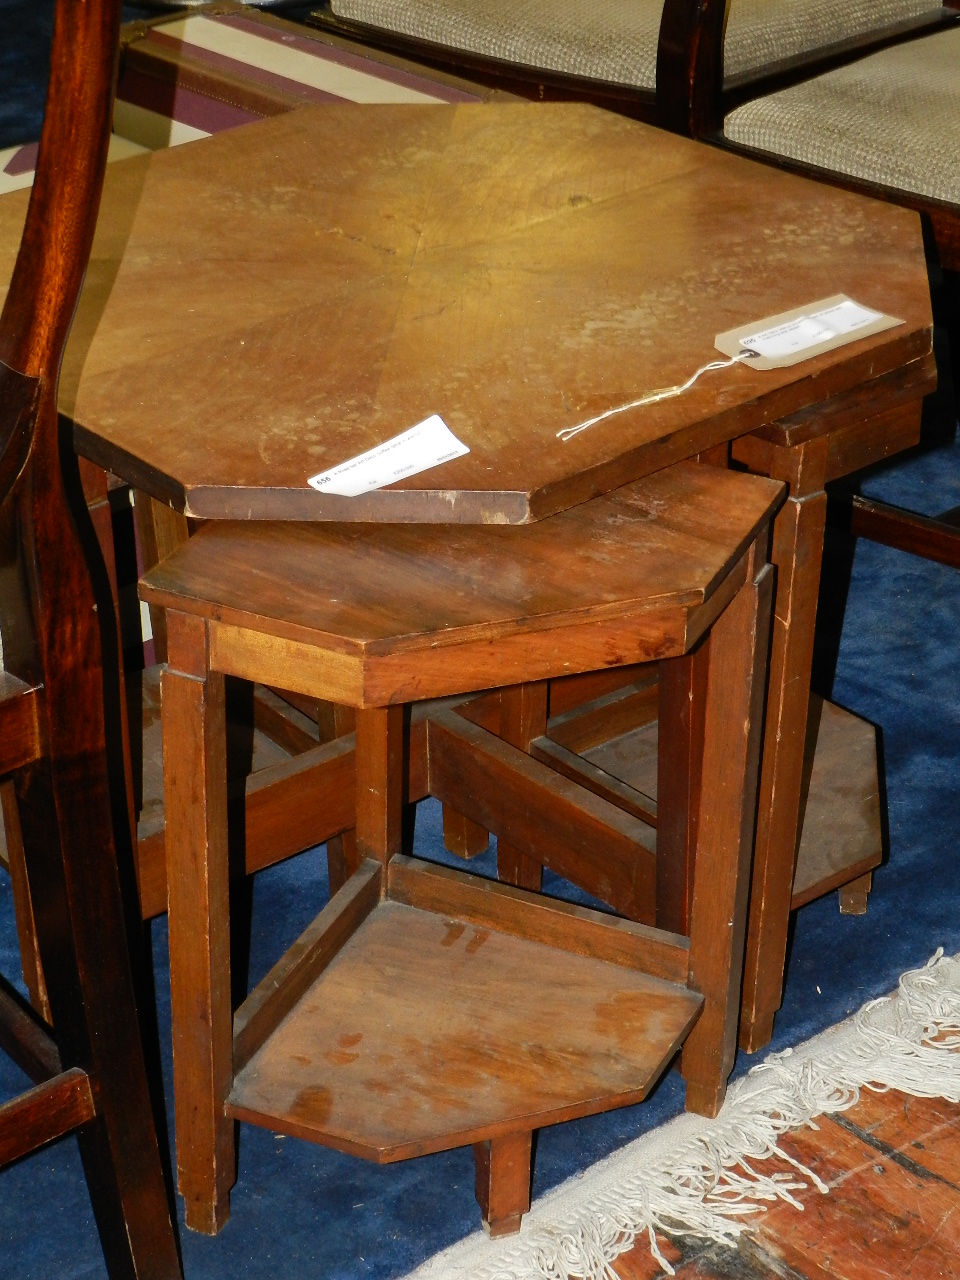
{"points": [[570, 268], [693, 96], [377, 1065], [726, 822]]}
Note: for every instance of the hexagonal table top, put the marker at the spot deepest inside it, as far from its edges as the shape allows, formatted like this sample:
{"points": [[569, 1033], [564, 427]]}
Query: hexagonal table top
{"points": [[272, 301]]}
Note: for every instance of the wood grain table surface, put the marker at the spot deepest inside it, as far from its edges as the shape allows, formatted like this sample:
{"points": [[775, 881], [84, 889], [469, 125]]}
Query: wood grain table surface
{"points": [[269, 302]]}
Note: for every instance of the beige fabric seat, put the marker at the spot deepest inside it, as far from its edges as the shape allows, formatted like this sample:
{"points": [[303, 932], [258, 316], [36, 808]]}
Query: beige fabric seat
{"points": [[891, 119], [616, 40]]}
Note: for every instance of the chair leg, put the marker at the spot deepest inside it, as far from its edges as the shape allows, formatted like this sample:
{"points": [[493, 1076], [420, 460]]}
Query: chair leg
{"points": [[503, 1181], [84, 940], [725, 830], [23, 904], [195, 800]]}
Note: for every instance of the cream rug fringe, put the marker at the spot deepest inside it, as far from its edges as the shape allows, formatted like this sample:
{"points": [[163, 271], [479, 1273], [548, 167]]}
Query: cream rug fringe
{"points": [[700, 1177]]}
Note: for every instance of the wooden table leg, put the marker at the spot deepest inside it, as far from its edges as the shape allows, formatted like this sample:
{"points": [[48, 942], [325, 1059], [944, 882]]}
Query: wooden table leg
{"points": [[198, 886], [379, 832], [342, 857], [30, 962], [682, 703], [728, 795], [503, 1181], [462, 836], [523, 717], [797, 553]]}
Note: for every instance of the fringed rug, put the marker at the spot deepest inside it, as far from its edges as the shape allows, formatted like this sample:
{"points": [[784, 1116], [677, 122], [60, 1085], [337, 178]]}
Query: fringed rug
{"points": [[706, 1177]]}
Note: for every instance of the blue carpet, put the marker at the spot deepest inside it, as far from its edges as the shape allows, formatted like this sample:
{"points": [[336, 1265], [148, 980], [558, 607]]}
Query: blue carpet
{"points": [[888, 649]]}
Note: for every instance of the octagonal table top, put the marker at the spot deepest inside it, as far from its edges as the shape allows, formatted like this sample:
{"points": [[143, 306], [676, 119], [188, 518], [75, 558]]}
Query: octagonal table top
{"points": [[272, 301]]}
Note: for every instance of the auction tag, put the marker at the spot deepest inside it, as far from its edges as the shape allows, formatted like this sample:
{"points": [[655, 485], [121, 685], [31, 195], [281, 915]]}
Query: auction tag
{"points": [[418, 449], [792, 336]]}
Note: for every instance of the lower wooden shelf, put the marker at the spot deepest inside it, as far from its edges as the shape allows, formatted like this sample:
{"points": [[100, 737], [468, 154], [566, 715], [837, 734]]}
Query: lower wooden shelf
{"points": [[430, 1029], [840, 836]]}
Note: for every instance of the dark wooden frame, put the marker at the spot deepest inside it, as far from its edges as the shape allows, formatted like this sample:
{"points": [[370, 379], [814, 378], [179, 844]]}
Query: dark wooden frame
{"points": [[691, 94], [60, 715]]}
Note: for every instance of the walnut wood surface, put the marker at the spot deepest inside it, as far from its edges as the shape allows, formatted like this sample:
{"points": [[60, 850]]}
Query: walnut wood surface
{"points": [[291, 976], [411, 1067], [582, 770], [894, 527], [661, 560], [198, 888], [796, 552], [297, 320]]}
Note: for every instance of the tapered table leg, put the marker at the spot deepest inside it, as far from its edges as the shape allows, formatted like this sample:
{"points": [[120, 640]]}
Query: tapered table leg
{"points": [[797, 552], [503, 1181], [523, 717], [198, 886], [725, 829]]}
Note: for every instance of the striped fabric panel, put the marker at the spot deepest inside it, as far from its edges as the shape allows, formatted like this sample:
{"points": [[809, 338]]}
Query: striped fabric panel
{"points": [[152, 113], [293, 62]]}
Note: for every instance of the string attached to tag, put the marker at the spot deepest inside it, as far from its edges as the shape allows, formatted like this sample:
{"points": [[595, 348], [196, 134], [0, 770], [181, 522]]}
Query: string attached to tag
{"points": [[662, 393]]}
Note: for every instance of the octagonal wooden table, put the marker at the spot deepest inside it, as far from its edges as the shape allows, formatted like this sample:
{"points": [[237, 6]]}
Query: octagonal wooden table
{"points": [[274, 300]]}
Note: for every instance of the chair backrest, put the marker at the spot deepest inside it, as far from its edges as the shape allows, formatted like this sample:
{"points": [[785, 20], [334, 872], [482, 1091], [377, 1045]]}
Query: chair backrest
{"points": [[693, 94], [50, 627]]}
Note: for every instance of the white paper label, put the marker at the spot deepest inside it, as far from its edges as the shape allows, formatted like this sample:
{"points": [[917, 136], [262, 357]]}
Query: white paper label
{"points": [[810, 331], [421, 447]]}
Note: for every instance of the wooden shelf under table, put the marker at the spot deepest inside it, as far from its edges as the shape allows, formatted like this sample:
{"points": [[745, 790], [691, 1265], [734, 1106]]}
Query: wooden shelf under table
{"points": [[453, 1011], [840, 835]]}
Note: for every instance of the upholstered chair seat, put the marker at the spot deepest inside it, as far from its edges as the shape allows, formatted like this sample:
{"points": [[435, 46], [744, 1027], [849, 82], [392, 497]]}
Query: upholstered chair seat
{"points": [[616, 40], [889, 119]]}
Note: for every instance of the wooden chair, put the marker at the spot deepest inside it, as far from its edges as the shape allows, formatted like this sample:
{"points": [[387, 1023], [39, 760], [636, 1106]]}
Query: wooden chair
{"points": [[632, 56], [59, 704], [579, 1012]]}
